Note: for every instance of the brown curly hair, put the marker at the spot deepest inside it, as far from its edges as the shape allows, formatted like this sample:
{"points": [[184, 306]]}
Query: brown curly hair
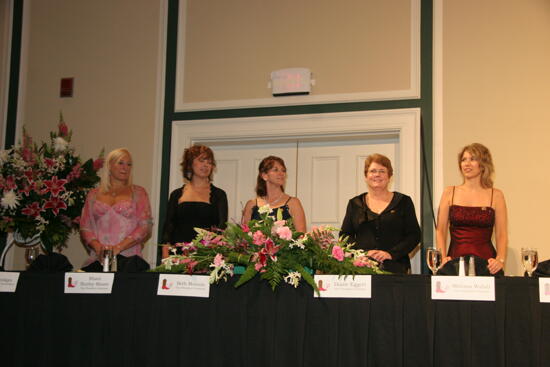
{"points": [[189, 156]]}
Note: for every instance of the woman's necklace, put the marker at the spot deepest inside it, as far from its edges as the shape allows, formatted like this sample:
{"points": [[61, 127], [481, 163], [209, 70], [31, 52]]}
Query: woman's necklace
{"points": [[270, 203]]}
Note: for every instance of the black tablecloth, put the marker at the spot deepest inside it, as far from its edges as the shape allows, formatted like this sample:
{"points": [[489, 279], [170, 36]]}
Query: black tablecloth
{"points": [[254, 326]]}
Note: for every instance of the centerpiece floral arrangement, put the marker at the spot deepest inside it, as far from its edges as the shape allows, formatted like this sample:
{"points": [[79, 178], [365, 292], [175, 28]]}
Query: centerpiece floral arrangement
{"points": [[269, 247], [44, 188]]}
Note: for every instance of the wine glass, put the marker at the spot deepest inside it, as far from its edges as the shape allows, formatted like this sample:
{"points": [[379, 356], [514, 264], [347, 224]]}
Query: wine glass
{"points": [[434, 259], [529, 259]]}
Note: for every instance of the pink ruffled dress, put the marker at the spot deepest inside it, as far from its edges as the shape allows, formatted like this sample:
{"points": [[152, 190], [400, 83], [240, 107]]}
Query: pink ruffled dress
{"points": [[111, 224]]}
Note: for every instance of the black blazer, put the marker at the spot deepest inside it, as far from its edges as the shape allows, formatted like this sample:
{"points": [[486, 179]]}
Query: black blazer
{"points": [[395, 230], [218, 198]]}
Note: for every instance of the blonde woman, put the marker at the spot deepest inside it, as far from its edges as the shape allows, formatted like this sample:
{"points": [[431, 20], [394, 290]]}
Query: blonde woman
{"points": [[472, 211], [117, 214]]}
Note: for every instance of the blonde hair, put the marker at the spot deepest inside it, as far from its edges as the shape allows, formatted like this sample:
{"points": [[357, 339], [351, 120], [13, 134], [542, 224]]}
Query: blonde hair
{"points": [[481, 154], [112, 158]]}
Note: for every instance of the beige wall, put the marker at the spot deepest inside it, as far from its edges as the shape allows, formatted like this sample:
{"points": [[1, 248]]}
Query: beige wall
{"points": [[111, 48], [496, 78], [231, 47]]}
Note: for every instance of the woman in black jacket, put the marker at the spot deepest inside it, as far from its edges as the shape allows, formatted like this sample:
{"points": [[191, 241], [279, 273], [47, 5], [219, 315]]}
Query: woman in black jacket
{"points": [[380, 221], [198, 203]]}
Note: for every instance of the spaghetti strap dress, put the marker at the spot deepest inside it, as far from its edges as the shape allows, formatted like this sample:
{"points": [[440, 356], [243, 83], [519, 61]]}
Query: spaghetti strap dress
{"points": [[471, 229], [285, 211]]}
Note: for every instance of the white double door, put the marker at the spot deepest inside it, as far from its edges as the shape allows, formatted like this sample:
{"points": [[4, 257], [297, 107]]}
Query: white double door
{"points": [[323, 173]]}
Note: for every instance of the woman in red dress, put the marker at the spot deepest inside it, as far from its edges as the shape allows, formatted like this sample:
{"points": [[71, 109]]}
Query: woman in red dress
{"points": [[472, 211]]}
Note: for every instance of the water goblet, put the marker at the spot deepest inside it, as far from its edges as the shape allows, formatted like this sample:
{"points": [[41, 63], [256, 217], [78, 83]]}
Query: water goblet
{"points": [[107, 258], [434, 259], [529, 259]]}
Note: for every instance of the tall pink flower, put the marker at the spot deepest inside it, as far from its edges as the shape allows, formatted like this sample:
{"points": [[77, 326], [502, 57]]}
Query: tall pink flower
{"points": [[32, 210], [55, 185], [98, 163], [55, 204], [63, 129], [338, 253]]}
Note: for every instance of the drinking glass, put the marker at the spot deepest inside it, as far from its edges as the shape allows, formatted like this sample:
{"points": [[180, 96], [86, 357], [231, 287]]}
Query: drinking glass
{"points": [[107, 258], [529, 259], [434, 259]]}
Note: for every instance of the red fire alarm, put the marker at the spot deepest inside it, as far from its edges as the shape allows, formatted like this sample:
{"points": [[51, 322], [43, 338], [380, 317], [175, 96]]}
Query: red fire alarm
{"points": [[66, 89]]}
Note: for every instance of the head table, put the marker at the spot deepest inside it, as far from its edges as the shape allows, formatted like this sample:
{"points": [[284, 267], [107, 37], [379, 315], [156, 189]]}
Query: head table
{"points": [[254, 326]]}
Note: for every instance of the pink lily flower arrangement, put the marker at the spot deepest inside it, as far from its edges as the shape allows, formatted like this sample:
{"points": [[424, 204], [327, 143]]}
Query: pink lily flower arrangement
{"points": [[43, 187], [271, 248]]}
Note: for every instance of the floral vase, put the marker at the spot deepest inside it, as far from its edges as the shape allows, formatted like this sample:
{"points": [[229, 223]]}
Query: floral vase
{"points": [[30, 244]]}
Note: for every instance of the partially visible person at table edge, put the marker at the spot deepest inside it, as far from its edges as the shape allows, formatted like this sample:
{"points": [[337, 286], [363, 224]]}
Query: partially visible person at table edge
{"points": [[270, 190], [470, 212], [116, 214], [198, 203], [380, 221]]}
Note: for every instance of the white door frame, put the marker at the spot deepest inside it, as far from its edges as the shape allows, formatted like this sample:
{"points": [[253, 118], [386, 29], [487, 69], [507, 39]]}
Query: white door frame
{"points": [[403, 122]]}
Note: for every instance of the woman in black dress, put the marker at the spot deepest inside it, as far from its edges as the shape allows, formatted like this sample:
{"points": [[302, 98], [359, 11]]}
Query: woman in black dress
{"points": [[198, 203], [380, 221], [270, 191]]}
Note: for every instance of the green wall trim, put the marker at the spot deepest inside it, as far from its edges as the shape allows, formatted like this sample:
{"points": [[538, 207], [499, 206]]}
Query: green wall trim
{"points": [[298, 110], [15, 66]]}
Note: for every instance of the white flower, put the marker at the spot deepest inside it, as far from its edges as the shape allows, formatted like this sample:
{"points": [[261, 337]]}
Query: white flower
{"points": [[293, 278], [10, 200], [298, 242], [264, 209], [4, 156], [60, 144]]}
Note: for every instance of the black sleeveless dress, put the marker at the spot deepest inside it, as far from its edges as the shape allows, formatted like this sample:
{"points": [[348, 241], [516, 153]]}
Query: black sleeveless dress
{"points": [[285, 211]]}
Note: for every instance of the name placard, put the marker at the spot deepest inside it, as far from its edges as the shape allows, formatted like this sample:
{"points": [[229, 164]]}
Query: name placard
{"points": [[334, 286], [544, 290], [8, 281], [90, 283], [183, 285], [477, 288]]}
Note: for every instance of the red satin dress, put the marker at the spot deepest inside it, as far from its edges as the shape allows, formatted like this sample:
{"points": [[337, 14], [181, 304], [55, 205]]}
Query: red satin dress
{"points": [[471, 230]]}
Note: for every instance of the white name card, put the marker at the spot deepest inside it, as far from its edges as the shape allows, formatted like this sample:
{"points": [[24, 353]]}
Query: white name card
{"points": [[183, 285], [8, 281], [544, 290], [335, 286], [477, 288], [90, 283]]}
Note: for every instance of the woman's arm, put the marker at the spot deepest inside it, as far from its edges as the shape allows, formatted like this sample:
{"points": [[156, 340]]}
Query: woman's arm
{"points": [[87, 224], [144, 221], [410, 229], [298, 215], [347, 228], [247, 211], [443, 222], [501, 233], [222, 206]]}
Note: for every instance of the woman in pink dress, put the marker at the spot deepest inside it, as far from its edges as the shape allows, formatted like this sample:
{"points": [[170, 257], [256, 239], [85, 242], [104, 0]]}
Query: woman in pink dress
{"points": [[117, 214], [471, 212]]}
